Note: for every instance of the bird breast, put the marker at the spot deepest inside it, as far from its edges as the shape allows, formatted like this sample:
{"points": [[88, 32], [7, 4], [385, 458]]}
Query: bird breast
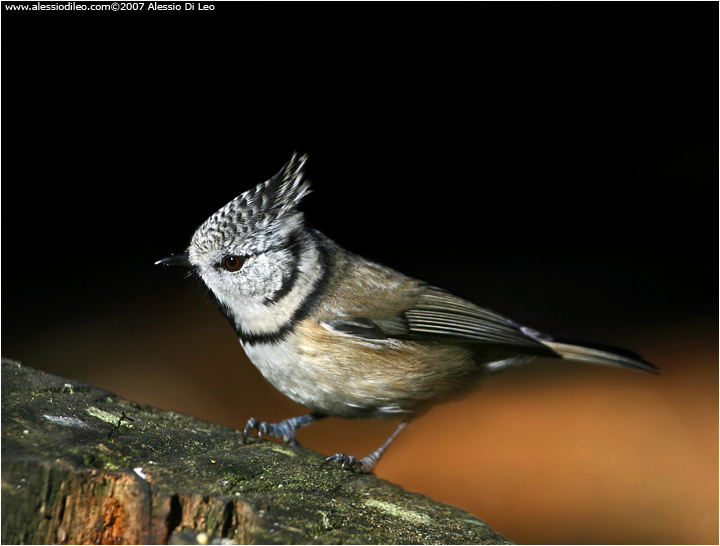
{"points": [[348, 376]]}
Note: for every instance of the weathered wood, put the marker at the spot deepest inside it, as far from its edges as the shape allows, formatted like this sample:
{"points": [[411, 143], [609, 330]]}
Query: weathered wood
{"points": [[74, 470]]}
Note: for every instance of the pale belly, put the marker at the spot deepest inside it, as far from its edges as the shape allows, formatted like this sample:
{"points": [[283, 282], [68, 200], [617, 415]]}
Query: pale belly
{"points": [[352, 378]]}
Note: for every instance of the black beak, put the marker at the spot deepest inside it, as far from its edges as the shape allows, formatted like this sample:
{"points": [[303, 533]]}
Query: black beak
{"points": [[178, 260]]}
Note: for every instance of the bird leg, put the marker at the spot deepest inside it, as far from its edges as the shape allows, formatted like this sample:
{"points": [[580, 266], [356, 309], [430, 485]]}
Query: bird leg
{"points": [[284, 429], [367, 463]]}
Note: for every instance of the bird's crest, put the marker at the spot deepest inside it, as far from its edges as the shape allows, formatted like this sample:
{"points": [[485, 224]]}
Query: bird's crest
{"points": [[267, 210]]}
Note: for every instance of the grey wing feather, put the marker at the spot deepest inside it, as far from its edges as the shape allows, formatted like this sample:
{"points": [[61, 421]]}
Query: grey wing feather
{"points": [[357, 326], [440, 316]]}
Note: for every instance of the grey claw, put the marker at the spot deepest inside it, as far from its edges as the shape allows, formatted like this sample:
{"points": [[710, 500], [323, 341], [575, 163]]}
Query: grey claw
{"points": [[262, 428], [348, 462], [252, 424], [336, 457]]}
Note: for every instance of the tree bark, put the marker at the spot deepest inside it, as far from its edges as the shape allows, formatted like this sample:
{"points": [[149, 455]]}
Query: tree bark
{"points": [[82, 465]]}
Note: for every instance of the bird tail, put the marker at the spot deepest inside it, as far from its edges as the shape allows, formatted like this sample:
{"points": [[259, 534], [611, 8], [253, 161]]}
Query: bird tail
{"points": [[584, 351]]}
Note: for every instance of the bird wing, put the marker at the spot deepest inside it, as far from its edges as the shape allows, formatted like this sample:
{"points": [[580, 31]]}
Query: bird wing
{"points": [[437, 315]]}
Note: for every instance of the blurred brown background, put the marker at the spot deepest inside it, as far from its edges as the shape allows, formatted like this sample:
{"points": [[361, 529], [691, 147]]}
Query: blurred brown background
{"points": [[564, 175]]}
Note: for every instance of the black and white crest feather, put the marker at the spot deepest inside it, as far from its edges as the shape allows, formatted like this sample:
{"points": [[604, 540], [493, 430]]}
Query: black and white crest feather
{"points": [[268, 208]]}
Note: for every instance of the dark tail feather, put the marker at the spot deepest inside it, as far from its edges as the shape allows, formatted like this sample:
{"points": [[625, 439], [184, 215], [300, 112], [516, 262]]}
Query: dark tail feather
{"points": [[584, 351]]}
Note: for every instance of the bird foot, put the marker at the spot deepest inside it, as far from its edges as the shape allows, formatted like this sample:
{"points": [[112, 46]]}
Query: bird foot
{"points": [[349, 462], [369, 462], [284, 430]]}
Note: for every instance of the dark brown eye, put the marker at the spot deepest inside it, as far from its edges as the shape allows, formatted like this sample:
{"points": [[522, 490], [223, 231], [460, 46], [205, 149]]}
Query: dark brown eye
{"points": [[233, 263]]}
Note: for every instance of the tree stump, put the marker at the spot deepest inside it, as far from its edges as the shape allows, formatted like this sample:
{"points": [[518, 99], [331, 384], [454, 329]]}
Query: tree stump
{"points": [[82, 465]]}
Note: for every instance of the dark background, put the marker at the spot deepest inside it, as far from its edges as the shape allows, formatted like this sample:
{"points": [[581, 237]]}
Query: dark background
{"points": [[554, 162]]}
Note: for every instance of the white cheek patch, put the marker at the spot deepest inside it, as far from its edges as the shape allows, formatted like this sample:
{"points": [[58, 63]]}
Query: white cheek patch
{"points": [[261, 276]]}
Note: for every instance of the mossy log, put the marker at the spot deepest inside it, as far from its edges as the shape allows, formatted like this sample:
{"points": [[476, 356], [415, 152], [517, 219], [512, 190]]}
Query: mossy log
{"points": [[82, 465]]}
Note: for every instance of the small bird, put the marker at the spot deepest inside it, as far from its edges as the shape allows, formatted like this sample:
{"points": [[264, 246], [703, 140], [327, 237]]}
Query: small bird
{"points": [[344, 336]]}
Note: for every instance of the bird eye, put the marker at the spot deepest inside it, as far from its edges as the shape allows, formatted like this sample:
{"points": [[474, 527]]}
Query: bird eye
{"points": [[233, 263]]}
